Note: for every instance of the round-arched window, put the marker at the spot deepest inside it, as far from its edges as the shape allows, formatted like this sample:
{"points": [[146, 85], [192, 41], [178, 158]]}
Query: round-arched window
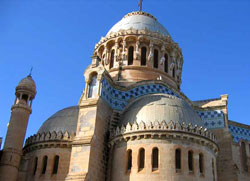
{"points": [[93, 87]]}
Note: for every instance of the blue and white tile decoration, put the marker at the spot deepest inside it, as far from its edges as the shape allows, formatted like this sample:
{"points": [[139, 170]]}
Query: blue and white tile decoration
{"points": [[239, 133], [212, 119], [118, 99]]}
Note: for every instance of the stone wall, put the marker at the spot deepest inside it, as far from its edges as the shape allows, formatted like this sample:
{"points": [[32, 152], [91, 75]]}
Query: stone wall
{"points": [[225, 166], [238, 161], [26, 172], [88, 157], [99, 144], [167, 168]]}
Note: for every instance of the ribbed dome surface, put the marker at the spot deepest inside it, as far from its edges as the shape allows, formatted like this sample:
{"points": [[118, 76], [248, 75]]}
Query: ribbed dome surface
{"points": [[27, 84], [64, 120], [159, 107], [139, 21]]}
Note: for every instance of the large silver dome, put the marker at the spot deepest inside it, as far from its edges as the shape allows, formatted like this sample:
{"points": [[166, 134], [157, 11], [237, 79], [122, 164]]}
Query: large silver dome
{"points": [[63, 120], [139, 21], [160, 107]]}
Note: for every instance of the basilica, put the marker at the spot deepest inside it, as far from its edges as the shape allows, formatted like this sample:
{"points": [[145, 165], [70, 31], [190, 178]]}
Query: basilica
{"points": [[132, 122]]}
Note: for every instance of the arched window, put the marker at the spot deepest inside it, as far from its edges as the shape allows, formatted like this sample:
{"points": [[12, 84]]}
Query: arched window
{"points": [[93, 87], [141, 158], [143, 55], [45, 160], [112, 57], [244, 156], [173, 72], [201, 163], [155, 58], [130, 55], [213, 166], [35, 166], [190, 161], [155, 159], [166, 63], [178, 159], [56, 163], [129, 160]]}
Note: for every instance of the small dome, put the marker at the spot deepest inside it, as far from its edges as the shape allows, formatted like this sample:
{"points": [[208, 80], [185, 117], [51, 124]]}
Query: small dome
{"points": [[27, 84], [160, 108], [139, 21], [63, 120]]}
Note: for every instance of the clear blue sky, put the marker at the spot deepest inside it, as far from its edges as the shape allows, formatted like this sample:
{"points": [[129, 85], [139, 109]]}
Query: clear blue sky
{"points": [[57, 38]]}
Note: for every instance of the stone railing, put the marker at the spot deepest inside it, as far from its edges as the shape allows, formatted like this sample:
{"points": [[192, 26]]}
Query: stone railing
{"points": [[157, 126], [49, 136]]}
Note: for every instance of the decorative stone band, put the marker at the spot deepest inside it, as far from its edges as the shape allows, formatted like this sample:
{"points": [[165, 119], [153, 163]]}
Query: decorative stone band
{"points": [[212, 119], [239, 133], [119, 99], [140, 13], [52, 137], [163, 129], [78, 176], [147, 33]]}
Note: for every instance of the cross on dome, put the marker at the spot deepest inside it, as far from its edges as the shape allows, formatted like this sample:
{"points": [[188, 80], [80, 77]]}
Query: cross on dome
{"points": [[140, 5]]}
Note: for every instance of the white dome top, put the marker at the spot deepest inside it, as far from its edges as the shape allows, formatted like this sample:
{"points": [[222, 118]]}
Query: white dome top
{"points": [[139, 21]]}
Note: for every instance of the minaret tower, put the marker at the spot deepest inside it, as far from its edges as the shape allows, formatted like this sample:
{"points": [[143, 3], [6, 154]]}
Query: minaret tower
{"points": [[20, 112]]}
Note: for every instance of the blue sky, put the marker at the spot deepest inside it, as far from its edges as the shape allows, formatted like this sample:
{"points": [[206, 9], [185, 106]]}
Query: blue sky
{"points": [[57, 38]]}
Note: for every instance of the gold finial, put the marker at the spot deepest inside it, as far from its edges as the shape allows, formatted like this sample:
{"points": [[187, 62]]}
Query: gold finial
{"points": [[140, 5]]}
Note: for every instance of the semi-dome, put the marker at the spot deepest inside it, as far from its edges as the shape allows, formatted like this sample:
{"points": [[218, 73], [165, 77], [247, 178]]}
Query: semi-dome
{"points": [[63, 120], [139, 21], [160, 108], [27, 84]]}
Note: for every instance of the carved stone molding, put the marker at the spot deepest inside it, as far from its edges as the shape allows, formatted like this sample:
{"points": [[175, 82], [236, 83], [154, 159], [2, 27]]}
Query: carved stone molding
{"points": [[49, 139], [163, 130]]}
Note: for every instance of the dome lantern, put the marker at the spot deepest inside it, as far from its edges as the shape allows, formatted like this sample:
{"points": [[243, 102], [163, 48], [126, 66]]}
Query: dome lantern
{"points": [[25, 91]]}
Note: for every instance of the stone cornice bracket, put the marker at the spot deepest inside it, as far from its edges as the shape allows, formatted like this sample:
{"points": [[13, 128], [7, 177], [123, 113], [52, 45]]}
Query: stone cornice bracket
{"points": [[224, 99], [124, 44], [43, 138], [163, 126], [151, 53], [105, 52], [163, 49], [137, 49], [116, 50], [165, 130], [173, 56]]}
